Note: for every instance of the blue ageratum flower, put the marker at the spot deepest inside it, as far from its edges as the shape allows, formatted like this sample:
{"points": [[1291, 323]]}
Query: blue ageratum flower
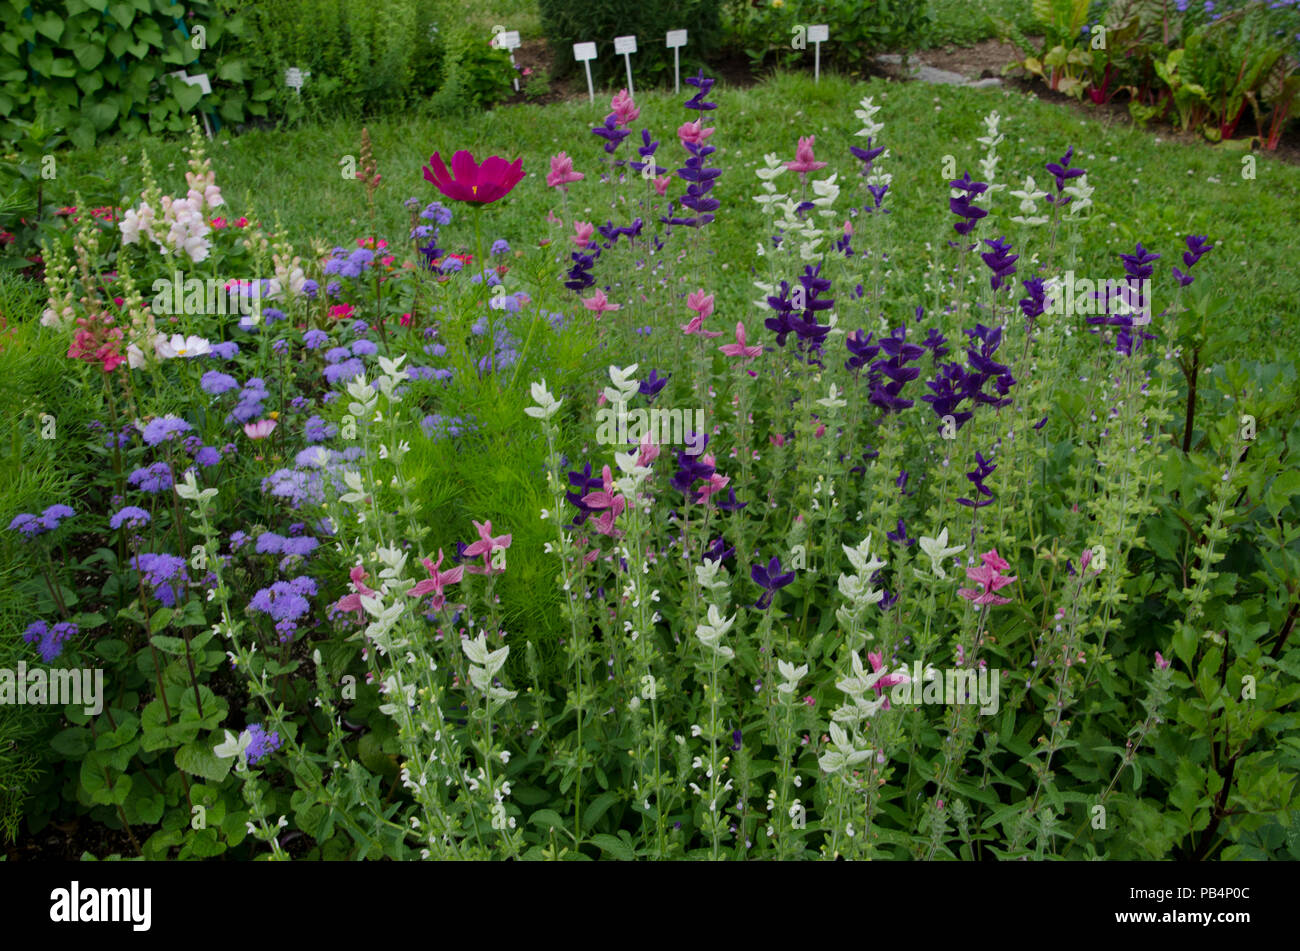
{"points": [[152, 478], [50, 638], [131, 516], [163, 573], [164, 429]]}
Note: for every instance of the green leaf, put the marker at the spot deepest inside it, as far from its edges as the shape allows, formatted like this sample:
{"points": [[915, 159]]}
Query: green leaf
{"points": [[89, 55], [49, 25], [72, 743], [591, 815], [233, 71], [160, 620], [187, 96], [549, 818], [83, 135], [102, 114], [197, 759], [613, 846], [122, 13], [117, 43], [147, 31]]}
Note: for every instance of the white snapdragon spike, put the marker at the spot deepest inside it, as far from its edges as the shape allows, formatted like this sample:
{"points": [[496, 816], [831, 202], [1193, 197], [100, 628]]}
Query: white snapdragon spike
{"points": [[1029, 197], [1081, 192], [188, 489], [135, 222], [989, 164], [365, 399], [861, 680], [773, 166], [864, 563], [790, 675], [407, 694], [937, 550], [826, 191], [547, 405], [393, 559], [624, 388], [711, 575]]}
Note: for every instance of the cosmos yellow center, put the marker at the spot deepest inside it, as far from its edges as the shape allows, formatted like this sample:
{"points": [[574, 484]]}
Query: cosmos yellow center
{"points": [[474, 189]]}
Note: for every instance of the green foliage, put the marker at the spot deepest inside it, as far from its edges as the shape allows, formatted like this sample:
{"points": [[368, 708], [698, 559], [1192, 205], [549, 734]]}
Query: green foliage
{"points": [[476, 74], [566, 22], [94, 67]]}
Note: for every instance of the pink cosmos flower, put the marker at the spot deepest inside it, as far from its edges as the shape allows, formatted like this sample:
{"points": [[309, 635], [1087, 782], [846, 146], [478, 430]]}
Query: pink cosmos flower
{"points": [[877, 661], [661, 186], [804, 161], [485, 546], [436, 580], [469, 181], [562, 173], [342, 311], [259, 429], [599, 303], [352, 602], [583, 232], [694, 133], [625, 110], [741, 348], [988, 576]]}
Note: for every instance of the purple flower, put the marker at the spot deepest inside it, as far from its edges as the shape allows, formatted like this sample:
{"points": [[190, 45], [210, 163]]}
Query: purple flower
{"points": [[337, 354], [1062, 172], [718, 551], [900, 536], [153, 478], [223, 351], [161, 572], [207, 457], [963, 206], [51, 638], [651, 385], [215, 383], [500, 246], [977, 477], [346, 370], [130, 516], [315, 339], [770, 579], [317, 430], [1000, 261], [364, 348], [261, 744], [164, 429]]}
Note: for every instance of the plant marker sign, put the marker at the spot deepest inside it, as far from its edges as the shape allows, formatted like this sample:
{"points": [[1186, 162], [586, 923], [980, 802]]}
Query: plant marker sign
{"points": [[205, 88], [585, 53], [294, 77], [626, 45], [675, 40], [817, 35], [507, 40]]}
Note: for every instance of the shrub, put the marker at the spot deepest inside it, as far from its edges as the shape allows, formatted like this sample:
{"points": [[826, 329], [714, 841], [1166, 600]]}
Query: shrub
{"points": [[566, 22]]}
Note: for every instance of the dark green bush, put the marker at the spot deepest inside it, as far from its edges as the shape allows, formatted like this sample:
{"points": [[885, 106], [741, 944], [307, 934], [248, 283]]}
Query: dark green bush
{"points": [[566, 22]]}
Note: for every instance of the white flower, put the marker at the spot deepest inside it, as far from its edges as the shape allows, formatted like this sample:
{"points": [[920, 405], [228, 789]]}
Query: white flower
{"points": [[547, 405], [234, 746], [179, 345], [833, 401], [870, 127], [791, 675], [476, 650], [937, 550]]}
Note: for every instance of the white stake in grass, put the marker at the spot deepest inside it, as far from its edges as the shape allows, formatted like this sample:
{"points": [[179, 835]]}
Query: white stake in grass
{"points": [[675, 40], [507, 40], [585, 53], [626, 45], [205, 88], [817, 35]]}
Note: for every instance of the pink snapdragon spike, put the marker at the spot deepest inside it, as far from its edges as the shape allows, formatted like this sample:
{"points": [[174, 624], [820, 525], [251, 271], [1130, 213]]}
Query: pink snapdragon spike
{"points": [[562, 174], [259, 429], [649, 451], [485, 546], [1161, 663], [700, 302], [352, 602], [741, 347], [625, 110], [661, 186], [889, 680], [804, 161], [715, 485], [599, 303], [694, 133], [988, 576], [583, 231], [435, 582]]}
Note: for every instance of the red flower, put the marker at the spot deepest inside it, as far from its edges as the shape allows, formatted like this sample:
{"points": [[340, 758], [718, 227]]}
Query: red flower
{"points": [[472, 182]]}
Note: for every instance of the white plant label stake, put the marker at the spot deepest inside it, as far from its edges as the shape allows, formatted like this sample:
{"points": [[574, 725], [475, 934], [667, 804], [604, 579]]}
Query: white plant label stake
{"points": [[205, 87], [507, 40], [626, 45], [675, 40], [585, 53], [817, 35], [293, 78]]}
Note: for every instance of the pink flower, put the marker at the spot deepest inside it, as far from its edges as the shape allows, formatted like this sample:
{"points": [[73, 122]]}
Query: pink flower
{"points": [[1161, 663], [988, 576], [260, 429], [583, 232], [434, 583], [693, 133], [877, 661], [715, 484], [485, 545], [599, 303], [649, 451], [405, 320], [820, 431], [342, 311], [241, 222], [777, 439], [625, 111], [562, 173], [804, 162], [661, 186], [700, 302], [218, 223], [352, 602], [696, 326], [740, 348]]}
